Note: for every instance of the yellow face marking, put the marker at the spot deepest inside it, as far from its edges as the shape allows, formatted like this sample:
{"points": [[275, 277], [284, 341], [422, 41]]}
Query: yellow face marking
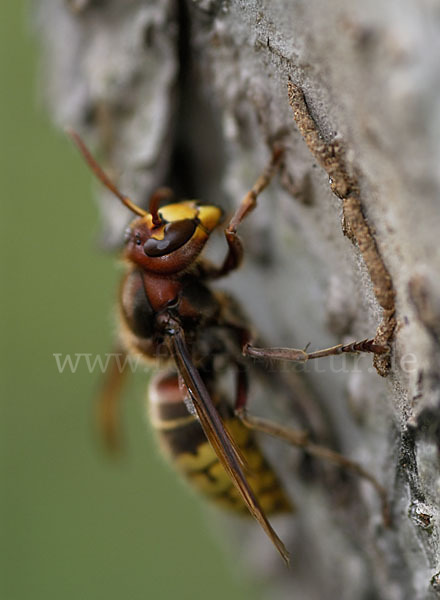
{"points": [[143, 221], [179, 211], [175, 212], [210, 216], [159, 233]]}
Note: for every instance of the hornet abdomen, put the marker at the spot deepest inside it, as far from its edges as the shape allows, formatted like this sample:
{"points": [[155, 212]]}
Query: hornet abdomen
{"points": [[184, 443]]}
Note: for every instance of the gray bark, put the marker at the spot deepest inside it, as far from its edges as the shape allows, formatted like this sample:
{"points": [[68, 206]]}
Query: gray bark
{"points": [[193, 95]]}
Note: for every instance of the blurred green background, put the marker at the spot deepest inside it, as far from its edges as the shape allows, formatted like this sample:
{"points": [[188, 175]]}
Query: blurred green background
{"points": [[74, 524]]}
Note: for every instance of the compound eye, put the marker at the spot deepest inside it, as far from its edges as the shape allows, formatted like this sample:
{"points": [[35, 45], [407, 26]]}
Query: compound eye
{"points": [[175, 235]]}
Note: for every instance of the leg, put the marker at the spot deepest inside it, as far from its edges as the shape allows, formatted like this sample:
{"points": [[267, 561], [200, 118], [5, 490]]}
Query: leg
{"points": [[241, 390], [301, 440], [331, 156], [295, 355], [109, 401], [235, 248]]}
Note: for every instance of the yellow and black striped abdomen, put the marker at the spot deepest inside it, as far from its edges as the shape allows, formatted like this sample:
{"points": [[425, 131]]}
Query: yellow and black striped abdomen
{"points": [[183, 441]]}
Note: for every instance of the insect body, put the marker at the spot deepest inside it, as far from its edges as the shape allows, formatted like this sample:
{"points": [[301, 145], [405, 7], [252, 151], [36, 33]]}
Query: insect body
{"points": [[170, 315]]}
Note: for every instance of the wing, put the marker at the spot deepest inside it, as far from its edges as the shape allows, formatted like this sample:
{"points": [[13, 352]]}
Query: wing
{"points": [[216, 433]]}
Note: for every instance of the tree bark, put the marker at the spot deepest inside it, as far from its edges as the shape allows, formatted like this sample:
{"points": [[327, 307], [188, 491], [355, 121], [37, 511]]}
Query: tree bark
{"points": [[194, 95]]}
